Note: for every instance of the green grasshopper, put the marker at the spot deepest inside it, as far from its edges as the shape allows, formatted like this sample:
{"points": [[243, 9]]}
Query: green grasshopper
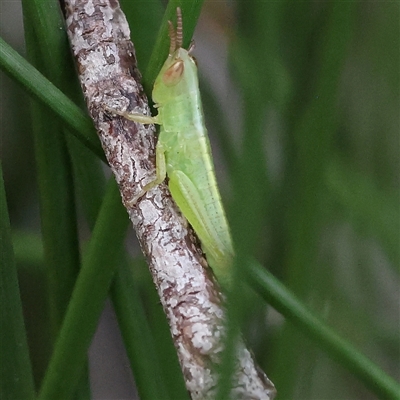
{"points": [[183, 153]]}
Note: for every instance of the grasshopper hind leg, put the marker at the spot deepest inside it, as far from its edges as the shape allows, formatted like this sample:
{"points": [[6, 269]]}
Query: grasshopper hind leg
{"points": [[189, 201]]}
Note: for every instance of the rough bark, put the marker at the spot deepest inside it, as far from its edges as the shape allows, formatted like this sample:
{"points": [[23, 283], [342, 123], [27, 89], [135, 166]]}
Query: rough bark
{"points": [[99, 36]]}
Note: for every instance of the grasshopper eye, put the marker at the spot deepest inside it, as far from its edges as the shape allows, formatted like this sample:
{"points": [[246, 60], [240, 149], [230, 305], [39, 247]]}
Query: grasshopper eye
{"points": [[174, 73]]}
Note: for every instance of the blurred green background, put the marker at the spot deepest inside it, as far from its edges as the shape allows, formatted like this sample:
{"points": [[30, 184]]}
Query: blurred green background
{"points": [[302, 104]]}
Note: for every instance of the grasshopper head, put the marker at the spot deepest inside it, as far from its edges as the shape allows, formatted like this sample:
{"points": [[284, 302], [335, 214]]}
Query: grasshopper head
{"points": [[179, 72], [178, 76]]}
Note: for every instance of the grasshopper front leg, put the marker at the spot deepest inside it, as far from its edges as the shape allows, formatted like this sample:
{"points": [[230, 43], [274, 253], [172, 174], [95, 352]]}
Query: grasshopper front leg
{"points": [[161, 170], [136, 117], [161, 173]]}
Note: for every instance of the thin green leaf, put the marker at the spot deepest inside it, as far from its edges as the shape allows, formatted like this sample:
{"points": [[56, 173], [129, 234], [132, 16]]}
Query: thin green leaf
{"points": [[56, 201], [338, 348], [43, 21], [16, 380], [215, 116], [312, 142], [371, 210], [43, 90], [87, 300], [28, 248]]}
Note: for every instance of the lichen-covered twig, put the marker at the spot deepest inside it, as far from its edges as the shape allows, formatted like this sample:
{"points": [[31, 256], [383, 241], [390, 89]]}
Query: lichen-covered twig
{"points": [[99, 36]]}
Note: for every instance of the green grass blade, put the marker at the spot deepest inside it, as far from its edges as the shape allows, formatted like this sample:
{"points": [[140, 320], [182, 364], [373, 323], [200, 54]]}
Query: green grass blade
{"points": [[57, 203], [371, 210], [87, 300], [44, 18], [28, 248], [338, 348], [42, 89], [313, 140], [258, 88], [58, 228], [314, 127], [16, 379], [215, 116]]}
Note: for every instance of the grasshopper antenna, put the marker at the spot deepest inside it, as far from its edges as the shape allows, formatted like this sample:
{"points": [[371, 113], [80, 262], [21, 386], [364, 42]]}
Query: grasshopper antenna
{"points": [[172, 36], [176, 36], [179, 28]]}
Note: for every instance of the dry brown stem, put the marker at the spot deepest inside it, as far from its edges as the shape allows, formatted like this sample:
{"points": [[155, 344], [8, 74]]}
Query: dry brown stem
{"points": [[99, 36]]}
